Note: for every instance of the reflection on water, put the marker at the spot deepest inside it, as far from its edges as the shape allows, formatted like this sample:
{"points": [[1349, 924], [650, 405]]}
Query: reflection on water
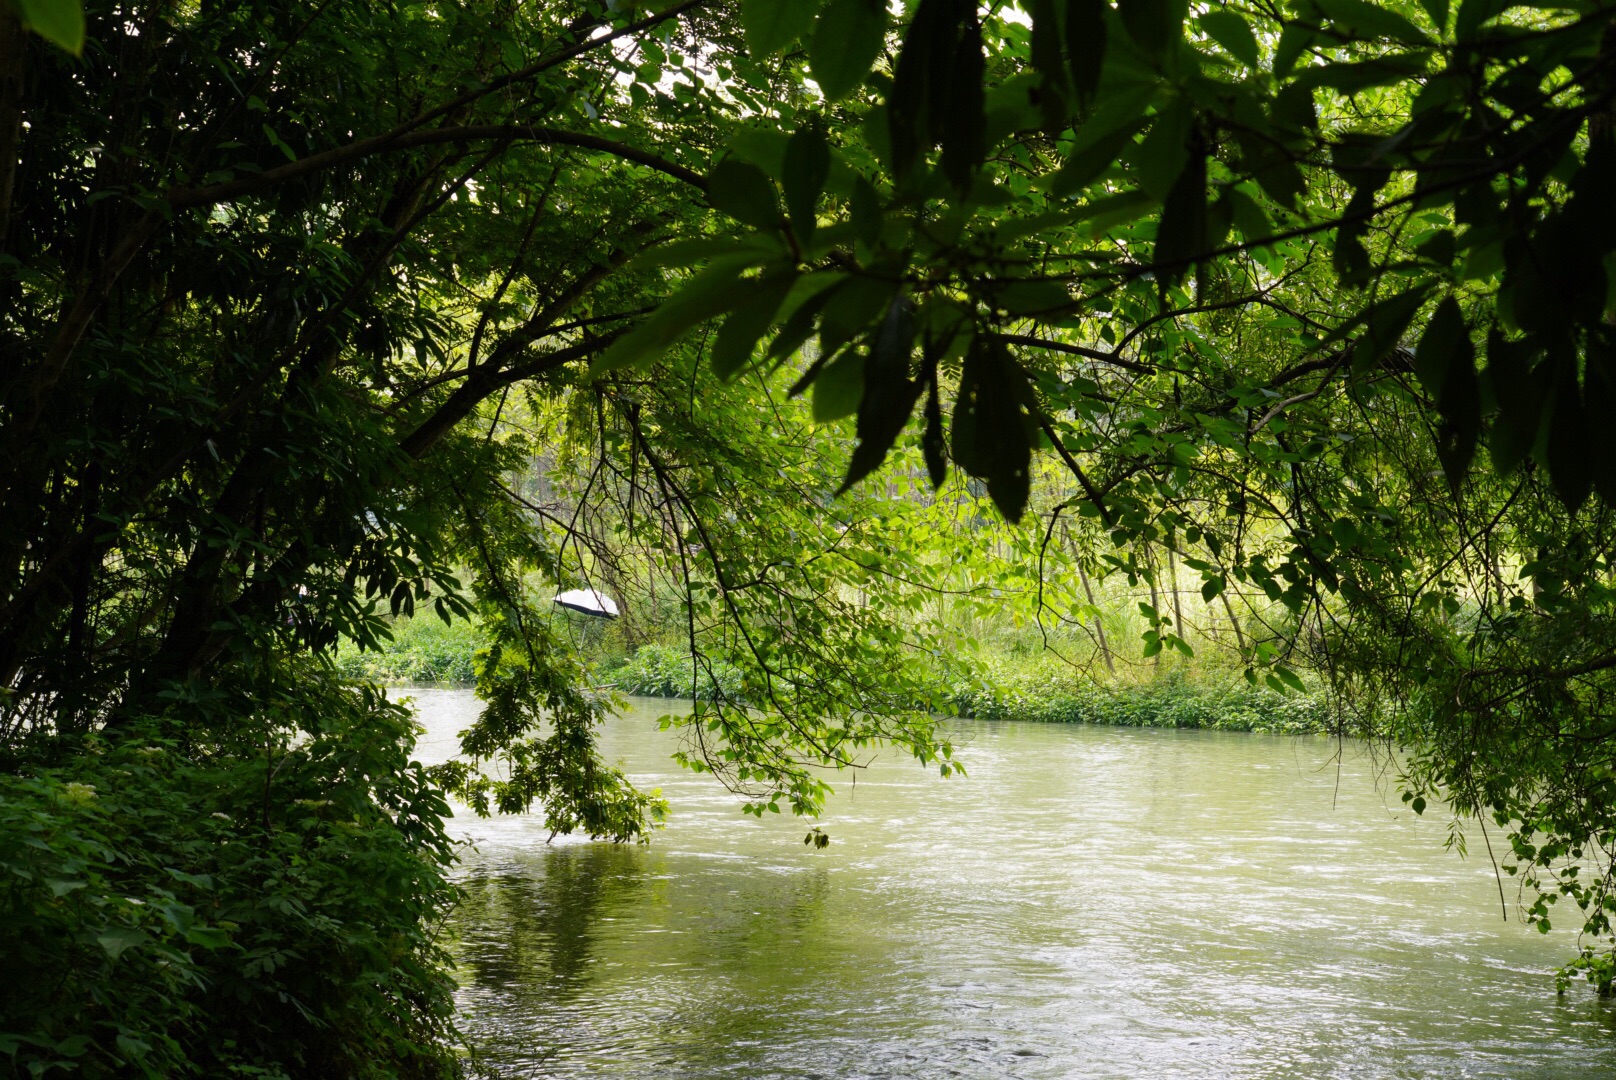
{"points": [[1089, 903]]}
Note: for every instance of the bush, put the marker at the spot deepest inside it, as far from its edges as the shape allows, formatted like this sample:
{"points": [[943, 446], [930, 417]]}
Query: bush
{"points": [[664, 671], [174, 913], [1037, 695], [423, 650]]}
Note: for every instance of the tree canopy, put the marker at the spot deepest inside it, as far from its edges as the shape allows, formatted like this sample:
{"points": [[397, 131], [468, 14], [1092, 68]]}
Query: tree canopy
{"points": [[1316, 296]]}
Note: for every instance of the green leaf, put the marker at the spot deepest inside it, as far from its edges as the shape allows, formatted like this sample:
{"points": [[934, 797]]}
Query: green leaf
{"points": [[1384, 324], [1159, 159], [1085, 44], [991, 438], [962, 138], [772, 25], [1372, 19], [710, 293], [1350, 78], [889, 393], [838, 387], [1181, 233], [864, 212], [1153, 24], [1103, 136], [741, 190], [1446, 342], [60, 22], [739, 335], [851, 308], [682, 253], [208, 937], [1232, 32], [931, 441], [1211, 588], [1293, 41], [807, 165], [845, 43], [119, 939], [1437, 11], [1033, 298], [1248, 216]]}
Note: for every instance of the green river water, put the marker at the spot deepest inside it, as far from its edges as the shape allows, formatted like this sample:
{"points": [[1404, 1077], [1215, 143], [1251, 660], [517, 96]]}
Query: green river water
{"points": [[1089, 902]]}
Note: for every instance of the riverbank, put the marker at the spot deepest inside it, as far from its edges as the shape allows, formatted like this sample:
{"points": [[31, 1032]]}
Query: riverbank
{"points": [[1015, 687], [1036, 690]]}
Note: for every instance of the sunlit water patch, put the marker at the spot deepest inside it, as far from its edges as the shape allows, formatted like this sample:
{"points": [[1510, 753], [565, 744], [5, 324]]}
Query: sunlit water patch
{"points": [[1088, 903]]}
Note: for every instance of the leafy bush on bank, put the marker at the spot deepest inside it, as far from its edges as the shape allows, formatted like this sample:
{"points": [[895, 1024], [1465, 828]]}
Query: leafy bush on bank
{"points": [[664, 671], [1034, 691], [177, 913], [1039, 695], [423, 650]]}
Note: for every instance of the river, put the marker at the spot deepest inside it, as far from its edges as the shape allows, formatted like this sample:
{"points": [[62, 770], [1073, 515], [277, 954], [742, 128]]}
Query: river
{"points": [[1089, 902]]}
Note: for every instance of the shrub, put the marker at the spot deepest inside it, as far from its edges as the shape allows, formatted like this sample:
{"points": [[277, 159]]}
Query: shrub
{"points": [[171, 912], [664, 671], [1035, 694]]}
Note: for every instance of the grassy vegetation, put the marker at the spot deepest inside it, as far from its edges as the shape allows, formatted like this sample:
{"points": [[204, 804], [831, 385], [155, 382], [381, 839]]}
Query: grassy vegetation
{"points": [[1008, 684]]}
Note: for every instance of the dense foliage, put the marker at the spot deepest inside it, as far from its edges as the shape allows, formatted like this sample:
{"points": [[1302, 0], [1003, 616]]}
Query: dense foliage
{"points": [[314, 315]]}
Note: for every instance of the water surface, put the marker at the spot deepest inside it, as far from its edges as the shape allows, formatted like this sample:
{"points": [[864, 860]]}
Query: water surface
{"points": [[1089, 902]]}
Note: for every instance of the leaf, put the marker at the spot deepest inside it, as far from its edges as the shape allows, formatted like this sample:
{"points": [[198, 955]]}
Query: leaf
{"points": [[1103, 136], [845, 43], [889, 392], [931, 441], [838, 387], [1294, 39], [1033, 298], [1373, 20], [1437, 11], [851, 308], [60, 22], [1088, 162], [1473, 13], [807, 165], [1520, 400], [990, 430], [1049, 61], [682, 253], [1569, 448], [1350, 78], [1181, 233], [1446, 341], [920, 84], [1248, 216], [119, 939], [208, 937], [772, 25], [741, 190], [739, 335], [709, 293], [963, 137], [864, 211], [1233, 33], [1085, 44], [1153, 24], [1384, 324], [1159, 160]]}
